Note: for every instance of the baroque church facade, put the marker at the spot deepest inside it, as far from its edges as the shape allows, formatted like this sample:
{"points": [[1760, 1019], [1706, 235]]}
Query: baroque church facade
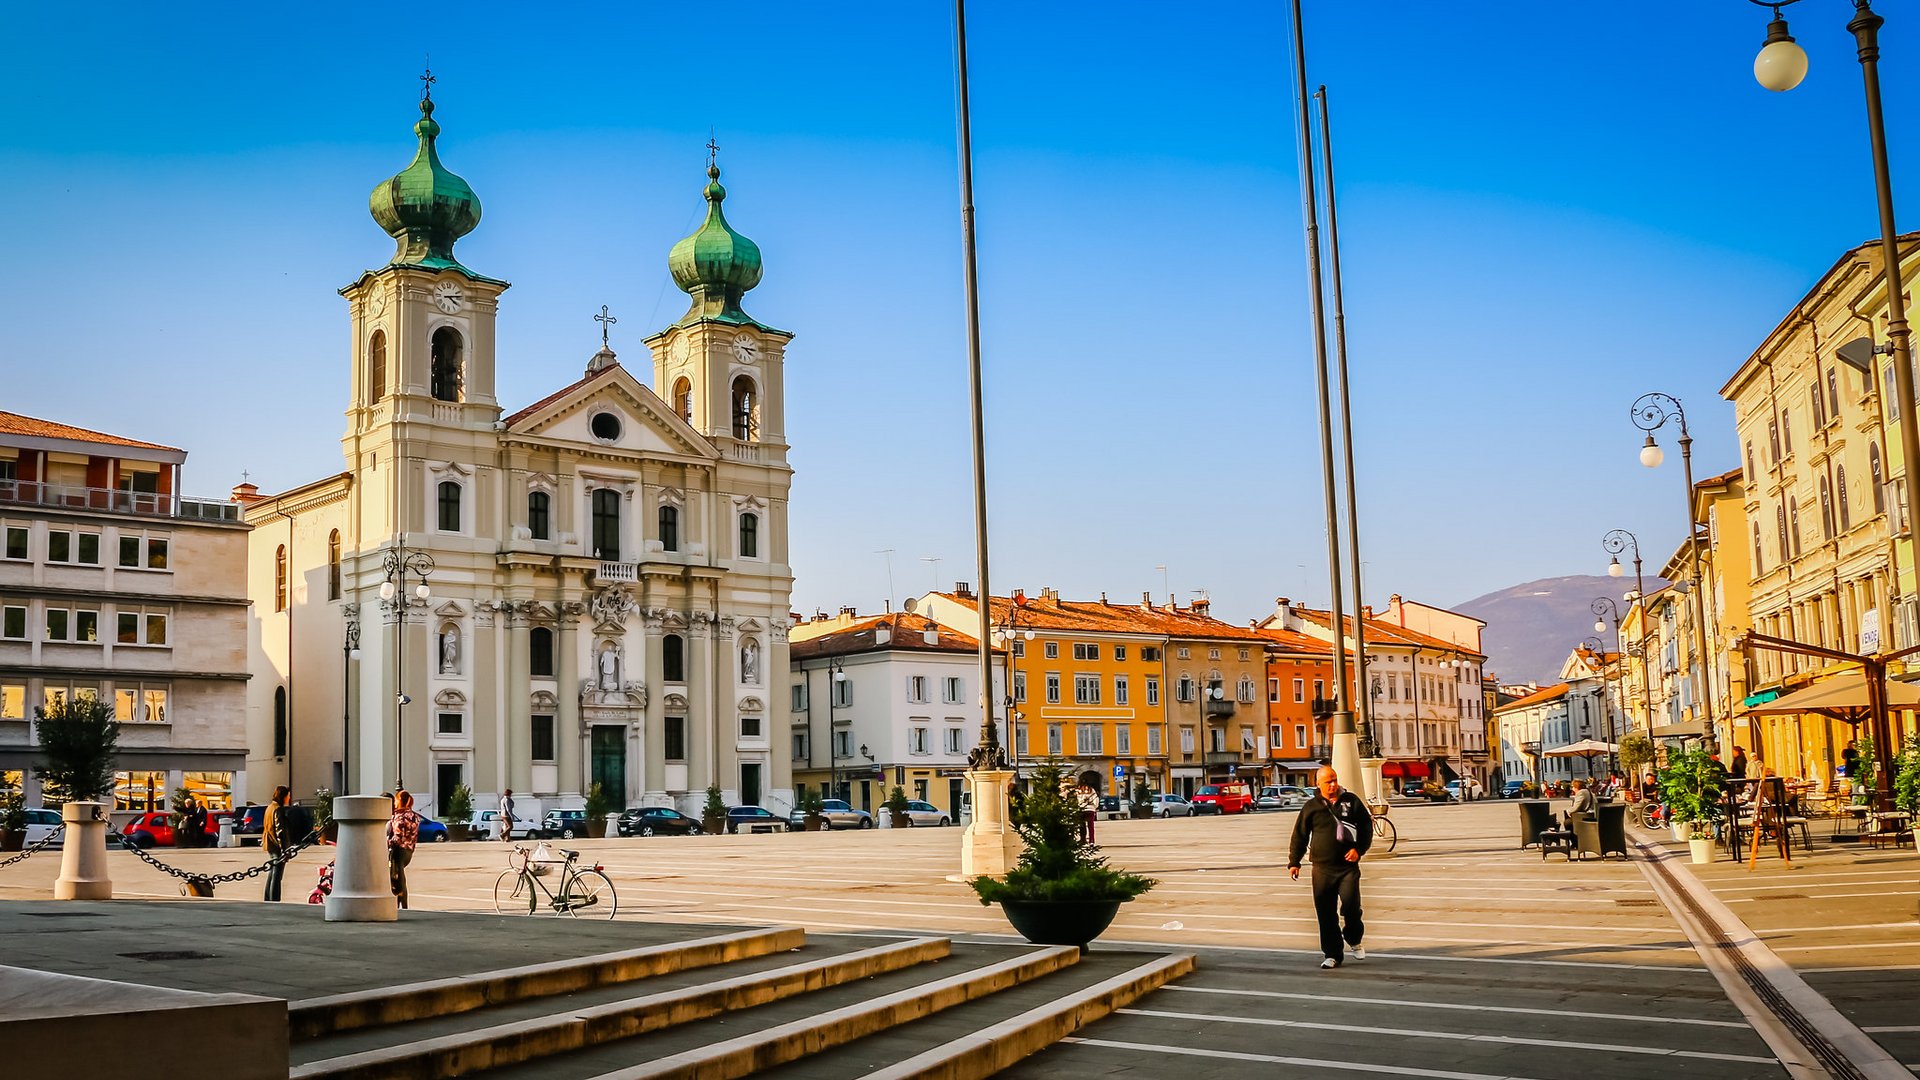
{"points": [[593, 589]]}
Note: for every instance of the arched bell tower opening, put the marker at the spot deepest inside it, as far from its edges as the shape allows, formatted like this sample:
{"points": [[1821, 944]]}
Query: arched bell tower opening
{"points": [[376, 367], [446, 376], [745, 409]]}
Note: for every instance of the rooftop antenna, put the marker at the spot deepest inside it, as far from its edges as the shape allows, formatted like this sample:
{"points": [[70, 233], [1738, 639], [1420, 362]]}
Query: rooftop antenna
{"points": [[936, 561], [888, 552], [1164, 587]]}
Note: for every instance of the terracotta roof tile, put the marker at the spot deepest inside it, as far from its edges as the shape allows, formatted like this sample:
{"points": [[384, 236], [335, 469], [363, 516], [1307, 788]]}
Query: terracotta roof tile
{"points": [[15, 424], [1099, 617], [1385, 633], [859, 635], [1535, 698]]}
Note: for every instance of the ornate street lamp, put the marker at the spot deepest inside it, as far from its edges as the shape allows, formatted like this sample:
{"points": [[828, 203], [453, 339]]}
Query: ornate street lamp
{"points": [[395, 566], [1617, 542], [1018, 625], [349, 652], [1599, 650], [1650, 413]]}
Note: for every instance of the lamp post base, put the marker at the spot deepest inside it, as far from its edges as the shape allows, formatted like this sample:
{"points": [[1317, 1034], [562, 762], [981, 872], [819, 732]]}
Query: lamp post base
{"points": [[989, 847]]}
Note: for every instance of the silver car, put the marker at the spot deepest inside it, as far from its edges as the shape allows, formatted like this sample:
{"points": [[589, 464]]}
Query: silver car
{"points": [[840, 815], [42, 824], [1167, 804], [925, 813], [1282, 798]]}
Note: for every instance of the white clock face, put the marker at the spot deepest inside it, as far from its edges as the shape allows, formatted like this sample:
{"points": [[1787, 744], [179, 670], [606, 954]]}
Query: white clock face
{"points": [[378, 303], [745, 349], [447, 296]]}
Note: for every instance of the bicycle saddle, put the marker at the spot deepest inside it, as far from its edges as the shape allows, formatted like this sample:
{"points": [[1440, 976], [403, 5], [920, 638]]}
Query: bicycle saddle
{"points": [[571, 855]]}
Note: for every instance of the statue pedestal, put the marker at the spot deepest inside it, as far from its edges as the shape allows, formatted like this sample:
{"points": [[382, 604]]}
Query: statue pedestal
{"points": [[989, 847], [83, 853], [362, 882]]}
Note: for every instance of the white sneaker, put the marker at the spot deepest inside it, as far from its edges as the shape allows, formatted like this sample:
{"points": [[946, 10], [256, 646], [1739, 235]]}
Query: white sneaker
{"points": [[1329, 962], [1359, 952]]}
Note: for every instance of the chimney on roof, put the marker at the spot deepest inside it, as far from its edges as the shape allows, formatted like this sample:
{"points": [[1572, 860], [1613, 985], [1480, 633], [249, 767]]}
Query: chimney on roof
{"points": [[1202, 605], [1146, 599], [847, 614], [963, 590], [246, 493], [1049, 594], [1282, 611], [889, 606], [883, 634], [1103, 598], [1366, 611]]}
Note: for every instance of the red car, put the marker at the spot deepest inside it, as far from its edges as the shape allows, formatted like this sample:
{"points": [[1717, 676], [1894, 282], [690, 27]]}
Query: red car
{"points": [[1222, 799], [151, 829]]}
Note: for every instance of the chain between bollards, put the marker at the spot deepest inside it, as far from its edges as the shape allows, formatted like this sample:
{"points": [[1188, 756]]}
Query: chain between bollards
{"points": [[41, 845]]}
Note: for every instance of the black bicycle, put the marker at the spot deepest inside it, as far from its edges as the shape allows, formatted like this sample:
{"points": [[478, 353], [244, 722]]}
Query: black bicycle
{"points": [[522, 890]]}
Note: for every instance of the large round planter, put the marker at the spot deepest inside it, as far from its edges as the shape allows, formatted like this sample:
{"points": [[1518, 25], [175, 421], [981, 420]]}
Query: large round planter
{"points": [[713, 825], [461, 831], [596, 828], [899, 820], [1701, 850], [1061, 922], [13, 839], [815, 823]]}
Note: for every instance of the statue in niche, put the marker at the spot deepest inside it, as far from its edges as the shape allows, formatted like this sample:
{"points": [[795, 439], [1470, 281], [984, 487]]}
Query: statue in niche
{"points": [[450, 651], [609, 667], [750, 662]]}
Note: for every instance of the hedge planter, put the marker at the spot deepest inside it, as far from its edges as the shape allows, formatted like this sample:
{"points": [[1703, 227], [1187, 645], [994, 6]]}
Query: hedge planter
{"points": [[461, 831], [13, 839], [1061, 922]]}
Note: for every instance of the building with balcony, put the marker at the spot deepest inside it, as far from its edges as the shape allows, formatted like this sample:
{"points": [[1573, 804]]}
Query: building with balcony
{"points": [[114, 586], [886, 700], [609, 590], [1299, 673], [1160, 694]]}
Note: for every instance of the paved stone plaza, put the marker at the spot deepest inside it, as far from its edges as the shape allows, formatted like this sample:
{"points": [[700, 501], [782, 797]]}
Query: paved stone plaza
{"points": [[1484, 960]]}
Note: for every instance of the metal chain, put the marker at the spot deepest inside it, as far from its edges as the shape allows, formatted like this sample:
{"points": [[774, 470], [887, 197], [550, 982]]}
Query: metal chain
{"points": [[40, 846], [286, 855]]}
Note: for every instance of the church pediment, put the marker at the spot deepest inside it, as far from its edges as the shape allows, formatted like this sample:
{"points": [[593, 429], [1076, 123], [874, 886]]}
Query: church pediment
{"points": [[641, 423]]}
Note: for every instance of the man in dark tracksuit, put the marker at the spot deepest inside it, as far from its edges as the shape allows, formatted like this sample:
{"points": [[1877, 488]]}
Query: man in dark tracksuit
{"points": [[1334, 829]]}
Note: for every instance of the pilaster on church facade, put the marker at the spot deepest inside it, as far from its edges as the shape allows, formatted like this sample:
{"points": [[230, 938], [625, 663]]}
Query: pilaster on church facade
{"points": [[605, 573]]}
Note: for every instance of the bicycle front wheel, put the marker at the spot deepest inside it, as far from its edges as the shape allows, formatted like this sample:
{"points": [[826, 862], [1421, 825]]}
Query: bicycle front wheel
{"points": [[1383, 832], [512, 895], [591, 893]]}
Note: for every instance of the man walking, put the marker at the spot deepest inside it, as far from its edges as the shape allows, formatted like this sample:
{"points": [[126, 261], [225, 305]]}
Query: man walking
{"points": [[1334, 829], [506, 815]]}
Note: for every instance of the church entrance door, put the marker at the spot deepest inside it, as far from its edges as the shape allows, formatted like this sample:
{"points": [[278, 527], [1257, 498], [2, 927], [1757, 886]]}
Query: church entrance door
{"points": [[609, 761]]}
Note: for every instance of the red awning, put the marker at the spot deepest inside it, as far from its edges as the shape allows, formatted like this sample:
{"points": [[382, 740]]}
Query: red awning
{"points": [[1412, 770]]}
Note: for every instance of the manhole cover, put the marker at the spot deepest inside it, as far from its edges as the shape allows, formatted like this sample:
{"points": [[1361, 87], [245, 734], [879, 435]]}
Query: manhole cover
{"points": [[65, 914], [1637, 903], [1783, 896], [170, 954]]}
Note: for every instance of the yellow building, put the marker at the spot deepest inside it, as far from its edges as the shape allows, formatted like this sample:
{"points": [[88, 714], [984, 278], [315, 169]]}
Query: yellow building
{"points": [[1160, 694]]}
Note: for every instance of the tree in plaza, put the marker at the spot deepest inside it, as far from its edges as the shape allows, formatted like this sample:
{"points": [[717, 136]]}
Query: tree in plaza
{"points": [[79, 739], [1636, 752]]}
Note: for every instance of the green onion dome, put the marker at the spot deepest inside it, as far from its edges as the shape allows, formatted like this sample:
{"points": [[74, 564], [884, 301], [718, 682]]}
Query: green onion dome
{"points": [[716, 265], [426, 207]]}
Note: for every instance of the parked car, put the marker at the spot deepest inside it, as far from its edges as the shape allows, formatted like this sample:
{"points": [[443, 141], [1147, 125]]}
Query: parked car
{"points": [[1283, 797], [1113, 809], [486, 826], [41, 824], [1514, 789], [651, 820], [1222, 799], [1464, 789], [152, 829], [432, 832], [565, 824], [841, 815], [1167, 804], [248, 822], [755, 818], [925, 813]]}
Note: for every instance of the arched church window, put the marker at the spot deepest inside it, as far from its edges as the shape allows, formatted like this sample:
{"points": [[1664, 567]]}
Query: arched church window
{"points": [[1757, 560], [333, 565], [1793, 524], [606, 524], [376, 367], [749, 536], [673, 658], [280, 722], [280, 578], [669, 528], [449, 506], [746, 410], [445, 383], [683, 398], [539, 521], [540, 652]]}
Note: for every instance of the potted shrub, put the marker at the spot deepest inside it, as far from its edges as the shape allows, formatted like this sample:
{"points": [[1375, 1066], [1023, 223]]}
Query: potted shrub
{"points": [[1691, 783], [13, 821], [896, 805], [1906, 782], [599, 805], [328, 828], [1062, 892], [713, 816], [1864, 774], [1142, 806], [457, 814], [811, 805]]}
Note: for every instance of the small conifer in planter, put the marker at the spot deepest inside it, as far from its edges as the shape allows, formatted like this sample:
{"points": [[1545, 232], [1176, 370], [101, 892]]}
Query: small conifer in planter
{"points": [[458, 812], [713, 816], [1062, 892]]}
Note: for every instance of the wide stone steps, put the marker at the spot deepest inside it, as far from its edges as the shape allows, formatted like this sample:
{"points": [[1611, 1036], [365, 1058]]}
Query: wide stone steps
{"points": [[729, 1005]]}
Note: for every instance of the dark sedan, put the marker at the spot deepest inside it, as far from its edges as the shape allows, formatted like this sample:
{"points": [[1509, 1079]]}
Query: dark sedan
{"points": [[656, 820], [755, 819]]}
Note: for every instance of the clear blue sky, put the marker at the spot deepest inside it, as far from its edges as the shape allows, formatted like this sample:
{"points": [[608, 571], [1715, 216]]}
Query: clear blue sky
{"points": [[1546, 211]]}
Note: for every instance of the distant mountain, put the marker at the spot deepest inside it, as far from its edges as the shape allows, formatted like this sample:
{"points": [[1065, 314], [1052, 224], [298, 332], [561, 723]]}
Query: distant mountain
{"points": [[1532, 627]]}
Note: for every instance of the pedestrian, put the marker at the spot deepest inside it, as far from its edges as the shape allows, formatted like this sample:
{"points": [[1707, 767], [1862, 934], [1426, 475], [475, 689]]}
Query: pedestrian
{"points": [[403, 832], [506, 815], [197, 822], [1582, 799], [1333, 831], [1089, 801], [1850, 761], [273, 837], [1738, 769]]}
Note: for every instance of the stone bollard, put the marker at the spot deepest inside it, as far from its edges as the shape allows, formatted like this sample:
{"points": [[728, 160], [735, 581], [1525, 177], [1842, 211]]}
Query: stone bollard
{"points": [[83, 853], [362, 883], [989, 847]]}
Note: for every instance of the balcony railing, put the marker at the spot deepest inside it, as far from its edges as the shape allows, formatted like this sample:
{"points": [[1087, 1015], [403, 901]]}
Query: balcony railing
{"points": [[117, 501], [1222, 757], [1320, 751], [1324, 706], [613, 573], [1213, 709]]}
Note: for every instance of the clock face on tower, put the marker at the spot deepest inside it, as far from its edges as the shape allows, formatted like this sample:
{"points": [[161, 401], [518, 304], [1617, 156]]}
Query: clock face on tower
{"points": [[378, 303], [745, 348], [447, 296]]}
